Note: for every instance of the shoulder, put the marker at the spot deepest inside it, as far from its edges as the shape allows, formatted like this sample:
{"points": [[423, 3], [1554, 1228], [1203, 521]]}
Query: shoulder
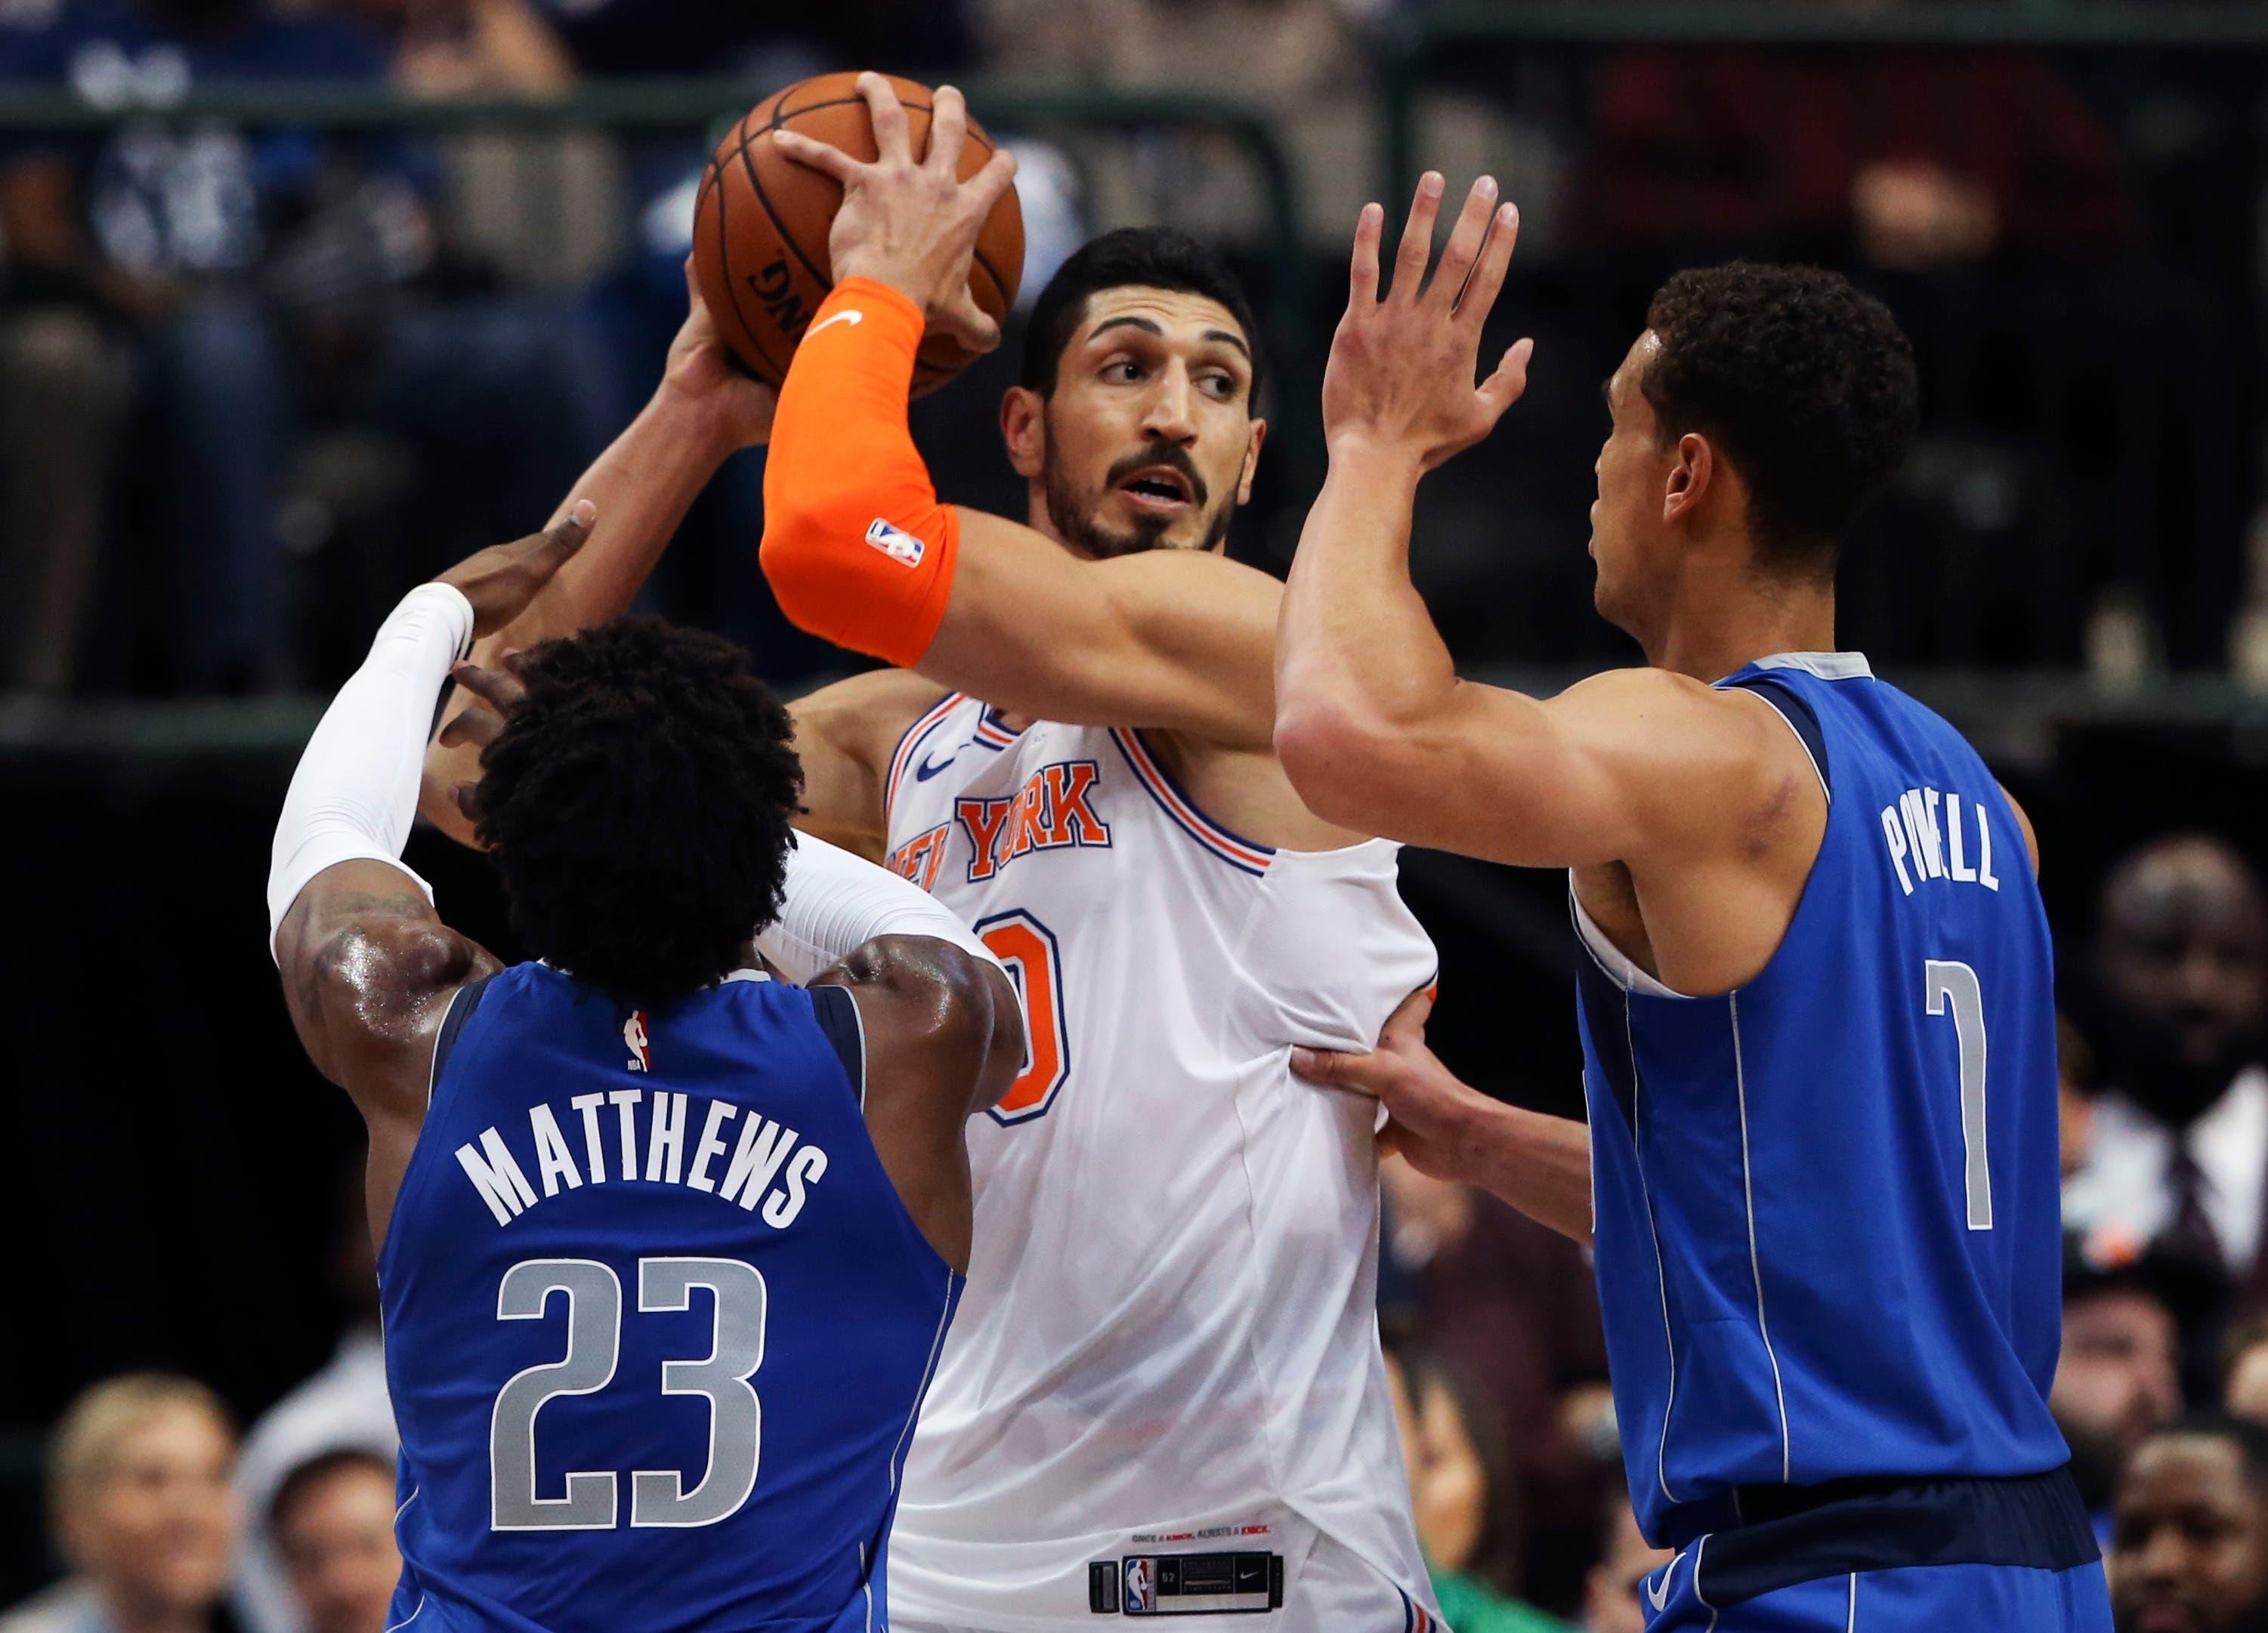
{"points": [[866, 714], [1672, 720]]}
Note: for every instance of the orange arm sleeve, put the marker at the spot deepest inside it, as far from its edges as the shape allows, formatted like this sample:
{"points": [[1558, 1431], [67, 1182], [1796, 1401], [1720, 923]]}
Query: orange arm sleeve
{"points": [[855, 546]]}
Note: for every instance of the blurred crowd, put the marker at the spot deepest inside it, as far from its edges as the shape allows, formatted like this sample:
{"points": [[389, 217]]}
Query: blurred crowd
{"points": [[251, 377]]}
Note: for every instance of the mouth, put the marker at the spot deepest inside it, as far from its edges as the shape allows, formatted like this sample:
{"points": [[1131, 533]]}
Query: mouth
{"points": [[2163, 1616], [1158, 489]]}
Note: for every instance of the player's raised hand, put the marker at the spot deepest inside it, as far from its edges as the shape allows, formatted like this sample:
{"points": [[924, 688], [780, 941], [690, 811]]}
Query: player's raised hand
{"points": [[1403, 366], [703, 371], [912, 225], [501, 580]]}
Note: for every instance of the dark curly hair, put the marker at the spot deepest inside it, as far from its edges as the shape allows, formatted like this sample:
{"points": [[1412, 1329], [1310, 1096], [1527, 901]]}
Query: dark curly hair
{"points": [[1805, 385], [637, 805], [1142, 257]]}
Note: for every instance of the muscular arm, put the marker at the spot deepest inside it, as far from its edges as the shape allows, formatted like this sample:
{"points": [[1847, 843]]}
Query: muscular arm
{"points": [[643, 485], [845, 734], [1167, 638], [1541, 1164], [1625, 766], [944, 1041]]}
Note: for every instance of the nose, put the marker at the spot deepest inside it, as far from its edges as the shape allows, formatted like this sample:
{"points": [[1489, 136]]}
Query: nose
{"points": [[1170, 414]]}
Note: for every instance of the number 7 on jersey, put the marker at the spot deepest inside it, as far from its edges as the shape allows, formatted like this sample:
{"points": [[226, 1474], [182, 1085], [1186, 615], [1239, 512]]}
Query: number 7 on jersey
{"points": [[1953, 988]]}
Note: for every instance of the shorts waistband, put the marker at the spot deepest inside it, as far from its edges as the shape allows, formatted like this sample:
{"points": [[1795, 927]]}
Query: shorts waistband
{"points": [[1777, 1536]]}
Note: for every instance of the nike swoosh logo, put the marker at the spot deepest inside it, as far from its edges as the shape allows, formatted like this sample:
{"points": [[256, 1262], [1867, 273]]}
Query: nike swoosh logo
{"points": [[848, 314], [1659, 1596], [924, 770]]}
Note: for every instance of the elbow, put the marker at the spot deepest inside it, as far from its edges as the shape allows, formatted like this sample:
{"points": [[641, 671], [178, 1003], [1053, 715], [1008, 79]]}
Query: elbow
{"points": [[1343, 765], [793, 554]]}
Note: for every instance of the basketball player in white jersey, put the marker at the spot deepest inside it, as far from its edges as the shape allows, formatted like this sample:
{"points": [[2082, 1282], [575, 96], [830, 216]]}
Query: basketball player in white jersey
{"points": [[1163, 1393]]}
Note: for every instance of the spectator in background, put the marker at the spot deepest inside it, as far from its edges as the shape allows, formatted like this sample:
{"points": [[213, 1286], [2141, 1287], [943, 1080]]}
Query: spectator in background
{"points": [[342, 1411], [139, 1498], [1462, 1493], [1515, 1307], [263, 284], [445, 48], [1907, 160], [333, 1520], [2244, 1382], [1610, 1594], [2190, 1552], [2119, 1376], [2178, 1157]]}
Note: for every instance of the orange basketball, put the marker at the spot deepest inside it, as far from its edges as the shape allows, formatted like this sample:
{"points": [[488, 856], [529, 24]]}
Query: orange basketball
{"points": [[760, 223]]}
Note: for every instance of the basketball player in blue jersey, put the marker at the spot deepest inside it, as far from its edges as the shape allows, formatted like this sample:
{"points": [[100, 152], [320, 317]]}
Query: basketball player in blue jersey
{"points": [[668, 1247], [1821, 1173]]}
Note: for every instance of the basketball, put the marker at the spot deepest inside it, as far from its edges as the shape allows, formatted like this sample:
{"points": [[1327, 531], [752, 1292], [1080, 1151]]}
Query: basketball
{"points": [[760, 222]]}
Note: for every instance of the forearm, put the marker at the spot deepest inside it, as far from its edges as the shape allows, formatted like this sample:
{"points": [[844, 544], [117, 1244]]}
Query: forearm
{"points": [[855, 546], [354, 795], [641, 486], [1354, 641], [1539, 1164]]}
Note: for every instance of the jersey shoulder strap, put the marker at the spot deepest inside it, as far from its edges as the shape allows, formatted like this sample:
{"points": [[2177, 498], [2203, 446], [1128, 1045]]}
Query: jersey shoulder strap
{"points": [[837, 1012], [1801, 718], [462, 1006]]}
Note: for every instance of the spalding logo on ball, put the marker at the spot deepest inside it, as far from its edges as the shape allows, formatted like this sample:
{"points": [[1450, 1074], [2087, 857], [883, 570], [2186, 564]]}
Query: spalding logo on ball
{"points": [[760, 223]]}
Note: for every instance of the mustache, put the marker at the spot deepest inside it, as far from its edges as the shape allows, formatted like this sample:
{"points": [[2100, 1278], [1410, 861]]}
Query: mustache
{"points": [[1166, 453]]}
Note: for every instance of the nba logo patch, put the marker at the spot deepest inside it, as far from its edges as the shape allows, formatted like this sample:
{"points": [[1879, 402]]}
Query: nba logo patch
{"points": [[634, 1034], [1141, 1587], [896, 542]]}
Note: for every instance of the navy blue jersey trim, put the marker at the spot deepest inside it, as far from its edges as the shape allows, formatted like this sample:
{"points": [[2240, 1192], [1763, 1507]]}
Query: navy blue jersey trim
{"points": [[460, 1010], [1801, 717], [837, 1012], [1804, 1533]]}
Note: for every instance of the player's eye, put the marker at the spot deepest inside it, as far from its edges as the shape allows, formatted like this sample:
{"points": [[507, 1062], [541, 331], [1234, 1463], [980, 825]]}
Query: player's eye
{"points": [[1220, 385], [1121, 371]]}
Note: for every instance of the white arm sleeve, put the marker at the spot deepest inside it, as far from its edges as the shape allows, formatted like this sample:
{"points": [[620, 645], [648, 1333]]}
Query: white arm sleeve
{"points": [[355, 794], [835, 902]]}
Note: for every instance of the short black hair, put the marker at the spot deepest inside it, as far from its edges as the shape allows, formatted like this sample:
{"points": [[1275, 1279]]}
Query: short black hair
{"points": [[2250, 1438], [637, 805], [1131, 257], [305, 1475], [1805, 385]]}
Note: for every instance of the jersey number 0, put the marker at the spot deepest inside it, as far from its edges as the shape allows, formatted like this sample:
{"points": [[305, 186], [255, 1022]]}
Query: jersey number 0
{"points": [[594, 1324]]}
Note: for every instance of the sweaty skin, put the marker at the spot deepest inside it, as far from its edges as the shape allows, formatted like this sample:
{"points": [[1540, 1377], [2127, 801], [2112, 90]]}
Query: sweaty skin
{"points": [[368, 970], [1689, 817]]}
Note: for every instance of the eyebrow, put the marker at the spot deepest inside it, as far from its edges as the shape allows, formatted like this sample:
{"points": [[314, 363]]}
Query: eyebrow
{"points": [[1148, 327]]}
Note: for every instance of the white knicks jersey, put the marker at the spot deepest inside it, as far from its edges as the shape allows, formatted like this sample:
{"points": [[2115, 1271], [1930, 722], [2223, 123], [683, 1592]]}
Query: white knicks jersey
{"points": [[1168, 1344]]}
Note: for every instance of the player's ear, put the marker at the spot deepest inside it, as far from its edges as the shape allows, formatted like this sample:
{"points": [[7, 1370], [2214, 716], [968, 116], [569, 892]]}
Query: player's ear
{"points": [[1691, 474], [1024, 428], [1251, 461]]}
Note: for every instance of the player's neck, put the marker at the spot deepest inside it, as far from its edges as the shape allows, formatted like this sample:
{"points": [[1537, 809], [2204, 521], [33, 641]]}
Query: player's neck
{"points": [[1713, 631]]}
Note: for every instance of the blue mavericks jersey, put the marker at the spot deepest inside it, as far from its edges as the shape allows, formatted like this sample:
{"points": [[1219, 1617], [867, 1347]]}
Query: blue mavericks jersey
{"points": [[1827, 1218], [657, 1322]]}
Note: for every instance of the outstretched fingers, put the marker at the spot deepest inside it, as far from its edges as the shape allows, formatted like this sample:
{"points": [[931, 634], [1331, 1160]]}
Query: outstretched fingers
{"points": [[990, 185], [1464, 247], [823, 156], [1486, 280], [948, 130], [892, 139], [1418, 237], [1362, 275], [1504, 387]]}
